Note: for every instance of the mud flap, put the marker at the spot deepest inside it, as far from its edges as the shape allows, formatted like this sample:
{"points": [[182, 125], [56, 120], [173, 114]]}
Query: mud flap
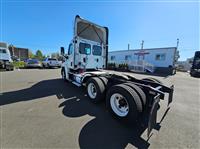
{"points": [[170, 95], [153, 115]]}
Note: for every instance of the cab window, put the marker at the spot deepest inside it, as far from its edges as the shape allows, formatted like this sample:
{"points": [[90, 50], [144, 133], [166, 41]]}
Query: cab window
{"points": [[2, 50], [70, 49], [85, 48], [96, 50]]}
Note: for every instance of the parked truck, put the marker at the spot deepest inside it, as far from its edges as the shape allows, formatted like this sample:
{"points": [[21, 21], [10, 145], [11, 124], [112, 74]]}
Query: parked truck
{"points": [[127, 98], [195, 69], [5, 58]]}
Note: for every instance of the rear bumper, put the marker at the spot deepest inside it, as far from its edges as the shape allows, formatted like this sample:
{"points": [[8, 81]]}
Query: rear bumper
{"points": [[54, 65], [33, 65]]}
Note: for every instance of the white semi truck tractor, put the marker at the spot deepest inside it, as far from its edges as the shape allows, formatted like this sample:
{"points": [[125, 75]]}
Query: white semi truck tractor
{"points": [[5, 58], [127, 98]]}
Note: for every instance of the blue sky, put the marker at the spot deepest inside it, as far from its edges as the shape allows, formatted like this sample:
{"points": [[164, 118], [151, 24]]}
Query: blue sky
{"points": [[47, 25]]}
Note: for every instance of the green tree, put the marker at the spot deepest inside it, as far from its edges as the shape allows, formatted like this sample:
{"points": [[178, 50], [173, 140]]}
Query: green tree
{"points": [[30, 54], [54, 55], [39, 55]]}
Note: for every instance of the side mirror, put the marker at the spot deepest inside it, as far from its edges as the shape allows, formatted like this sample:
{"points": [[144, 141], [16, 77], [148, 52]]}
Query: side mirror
{"points": [[62, 51], [66, 56]]}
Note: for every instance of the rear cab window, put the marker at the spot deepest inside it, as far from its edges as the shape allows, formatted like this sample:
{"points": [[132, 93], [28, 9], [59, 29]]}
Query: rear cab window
{"points": [[96, 50], [84, 48]]}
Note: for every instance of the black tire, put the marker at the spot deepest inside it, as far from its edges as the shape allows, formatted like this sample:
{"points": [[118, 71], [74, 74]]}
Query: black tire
{"points": [[4, 65], [48, 66], [104, 80], [7, 67], [11, 68], [152, 80], [100, 89], [140, 92], [132, 98]]}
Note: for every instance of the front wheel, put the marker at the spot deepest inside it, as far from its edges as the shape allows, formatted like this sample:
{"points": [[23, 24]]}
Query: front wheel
{"points": [[48, 66]]}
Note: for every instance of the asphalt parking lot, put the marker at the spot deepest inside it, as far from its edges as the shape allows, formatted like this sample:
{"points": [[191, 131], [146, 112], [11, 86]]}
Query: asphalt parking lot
{"points": [[39, 110]]}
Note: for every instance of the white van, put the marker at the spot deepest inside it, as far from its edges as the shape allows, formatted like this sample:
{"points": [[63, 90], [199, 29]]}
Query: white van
{"points": [[5, 58], [51, 62]]}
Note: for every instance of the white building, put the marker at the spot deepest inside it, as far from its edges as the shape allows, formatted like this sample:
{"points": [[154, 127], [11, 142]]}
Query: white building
{"points": [[158, 60]]}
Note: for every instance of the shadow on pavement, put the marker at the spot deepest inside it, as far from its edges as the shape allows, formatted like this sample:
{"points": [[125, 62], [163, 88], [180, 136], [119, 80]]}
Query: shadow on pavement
{"points": [[103, 131], [41, 89]]}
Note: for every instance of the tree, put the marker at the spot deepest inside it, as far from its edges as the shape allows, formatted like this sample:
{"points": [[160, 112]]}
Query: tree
{"points": [[55, 55], [39, 55], [30, 54]]}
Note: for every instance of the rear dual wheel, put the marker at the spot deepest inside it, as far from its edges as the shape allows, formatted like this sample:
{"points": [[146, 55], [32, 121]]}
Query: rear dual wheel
{"points": [[140, 93], [124, 103], [96, 89]]}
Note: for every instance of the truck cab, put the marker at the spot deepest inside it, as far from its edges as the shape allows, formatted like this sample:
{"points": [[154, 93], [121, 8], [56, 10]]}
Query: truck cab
{"points": [[195, 69], [88, 48]]}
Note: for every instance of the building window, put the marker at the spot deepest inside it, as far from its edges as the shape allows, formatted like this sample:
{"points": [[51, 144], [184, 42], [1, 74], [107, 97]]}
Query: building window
{"points": [[127, 57], [160, 57], [112, 58]]}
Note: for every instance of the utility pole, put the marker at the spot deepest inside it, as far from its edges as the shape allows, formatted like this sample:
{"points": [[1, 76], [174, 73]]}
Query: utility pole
{"points": [[13, 50], [142, 44], [177, 43], [128, 46], [19, 55]]}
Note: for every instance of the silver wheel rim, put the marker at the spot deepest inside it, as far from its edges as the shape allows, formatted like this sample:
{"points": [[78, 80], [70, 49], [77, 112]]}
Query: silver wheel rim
{"points": [[92, 91], [119, 105]]}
